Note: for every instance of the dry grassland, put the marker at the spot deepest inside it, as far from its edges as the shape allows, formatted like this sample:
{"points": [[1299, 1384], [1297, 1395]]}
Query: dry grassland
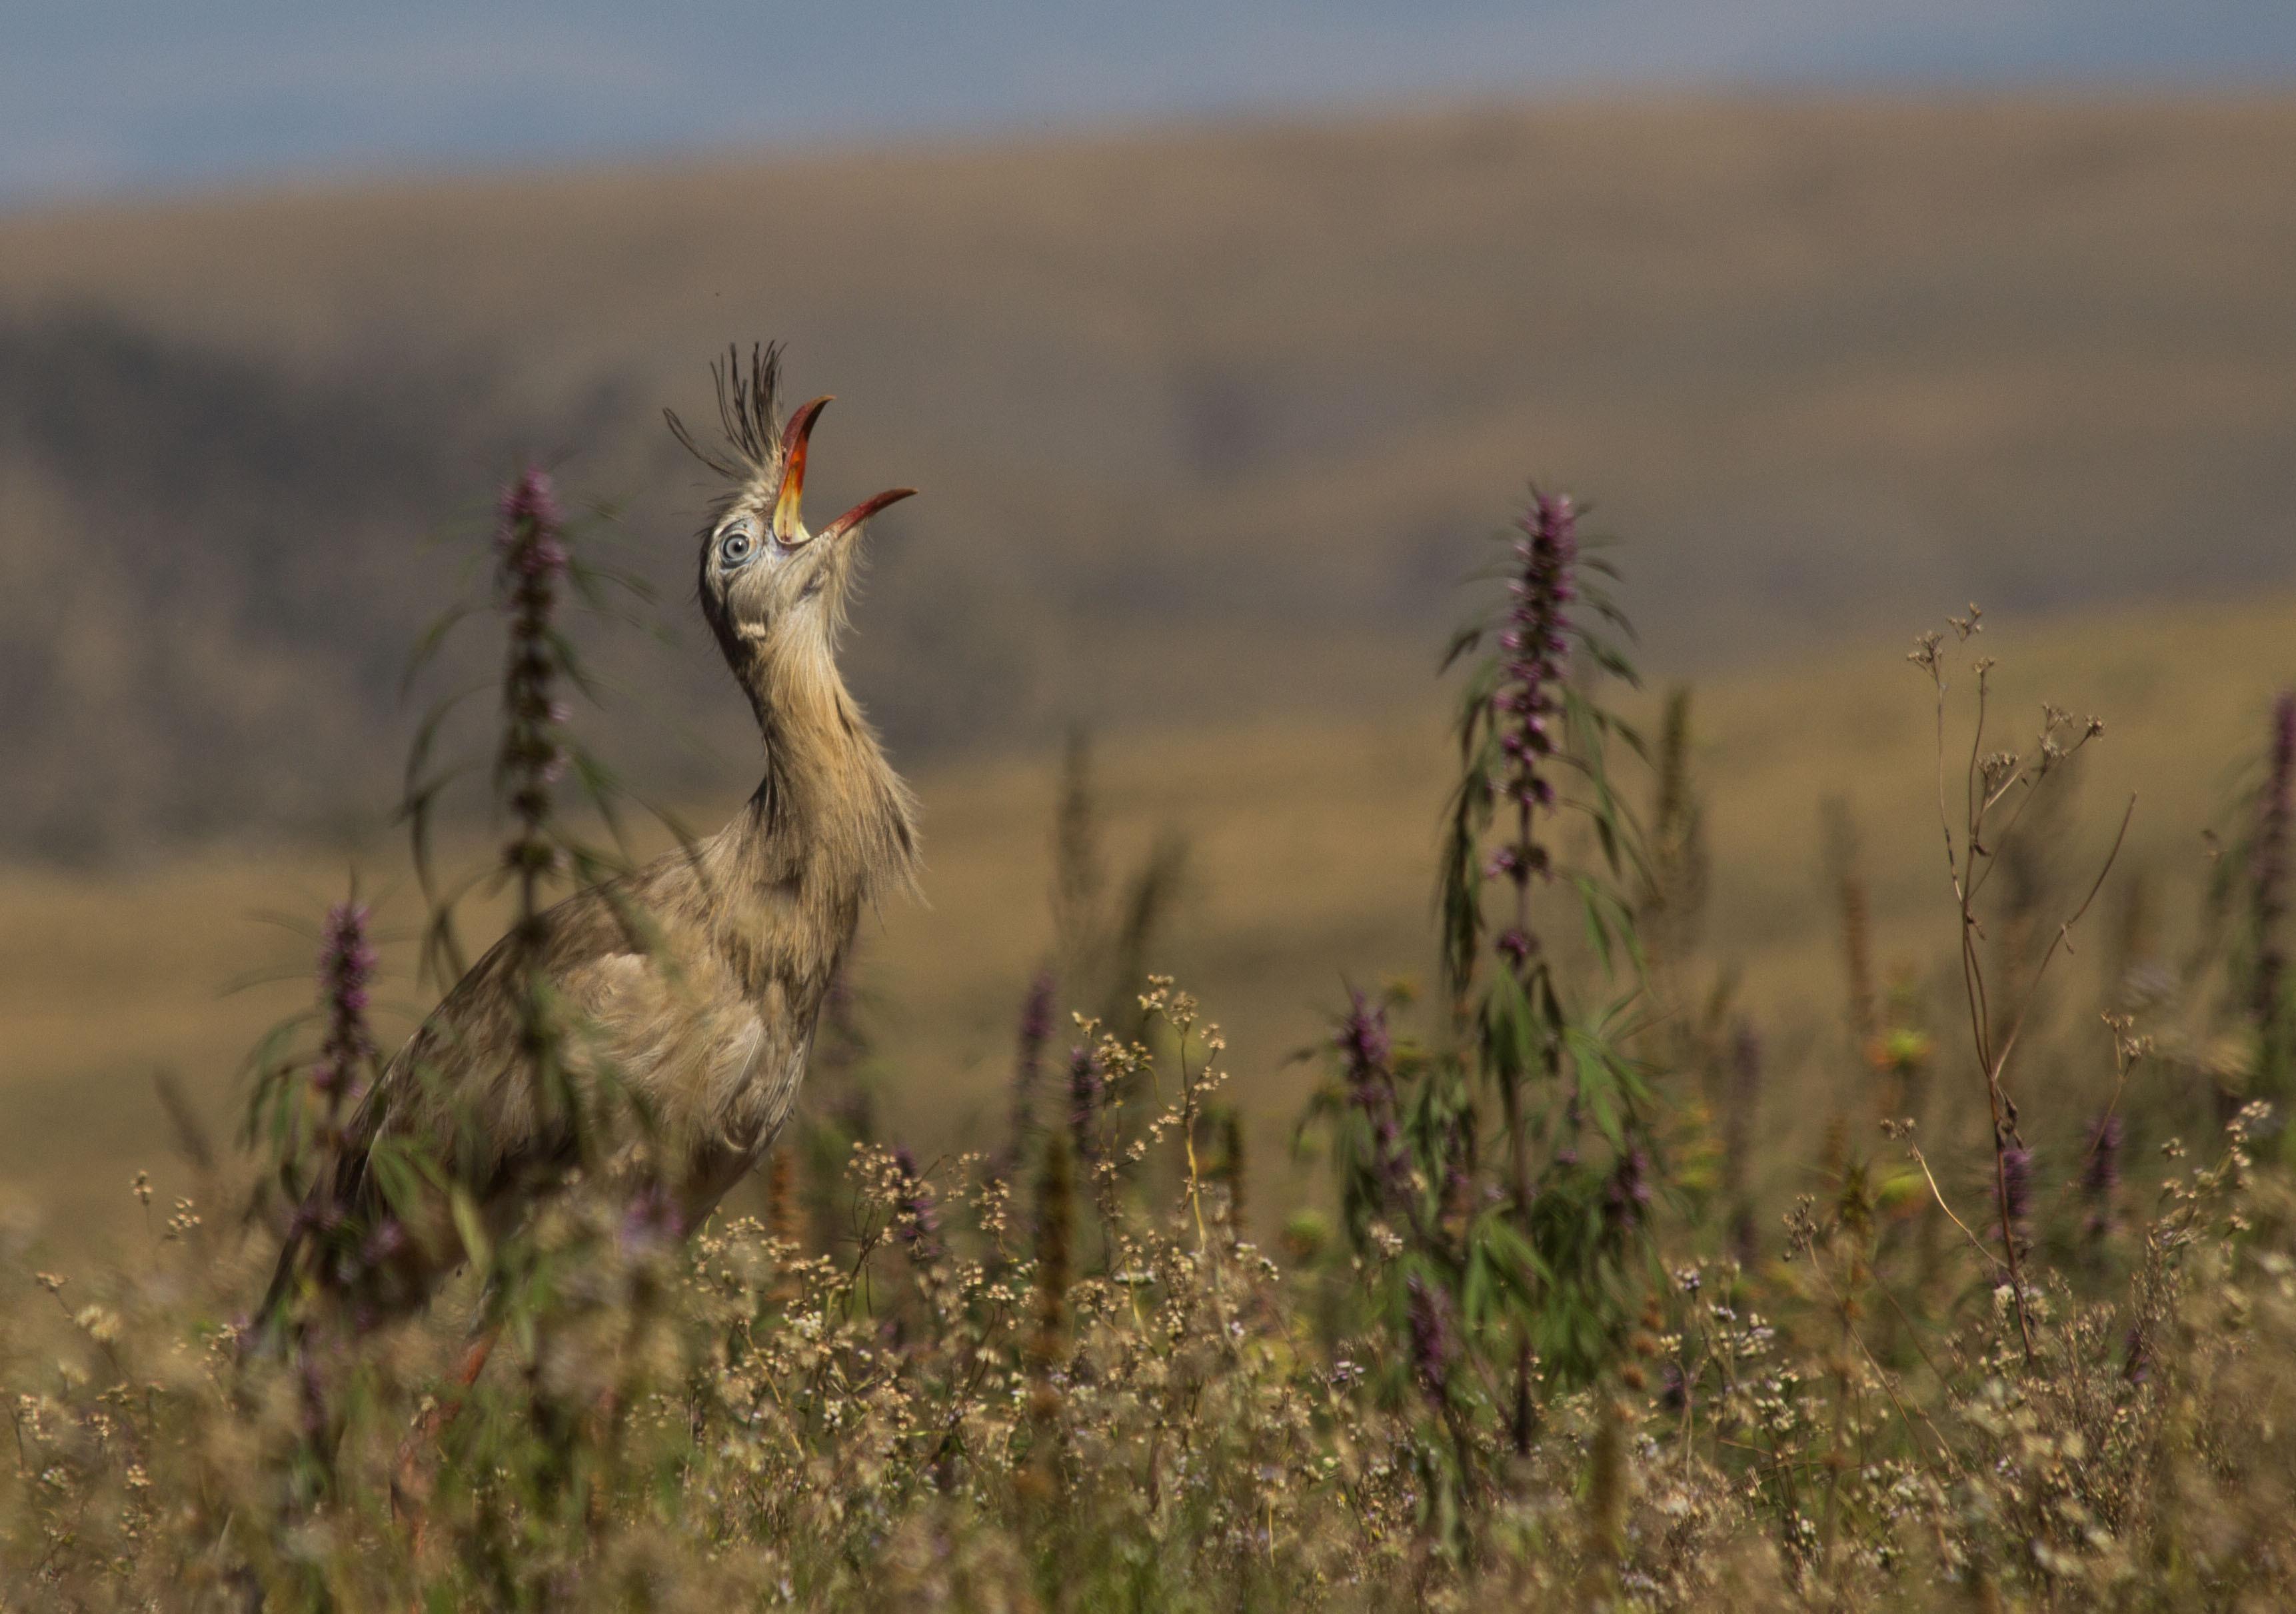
{"points": [[1312, 856]]}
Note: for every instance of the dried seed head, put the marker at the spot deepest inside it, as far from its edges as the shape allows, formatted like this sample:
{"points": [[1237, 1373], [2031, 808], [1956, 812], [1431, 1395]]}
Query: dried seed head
{"points": [[918, 1223]]}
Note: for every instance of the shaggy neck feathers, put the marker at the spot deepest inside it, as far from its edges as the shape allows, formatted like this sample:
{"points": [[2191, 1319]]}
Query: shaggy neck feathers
{"points": [[830, 825]]}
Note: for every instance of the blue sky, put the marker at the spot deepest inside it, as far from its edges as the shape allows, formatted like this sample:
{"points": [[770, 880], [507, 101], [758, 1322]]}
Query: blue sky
{"points": [[106, 97]]}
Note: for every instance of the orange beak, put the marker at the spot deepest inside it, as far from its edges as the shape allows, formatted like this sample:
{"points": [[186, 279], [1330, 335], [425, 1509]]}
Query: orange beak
{"points": [[787, 501], [862, 511]]}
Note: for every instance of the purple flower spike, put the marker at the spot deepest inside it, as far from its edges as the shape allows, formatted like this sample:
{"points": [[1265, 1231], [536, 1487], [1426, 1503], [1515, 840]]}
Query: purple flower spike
{"points": [[652, 1221], [1036, 1027], [2016, 1188], [347, 965], [1362, 1036], [532, 562], [1535, 647], [1674, 1389], [1537, 637], [2268, 871], [387, 1238], [529, 533], [1431, 1339], [1084, 1102], [1629, 1192], [1365, 1042], [2101, 1176]]}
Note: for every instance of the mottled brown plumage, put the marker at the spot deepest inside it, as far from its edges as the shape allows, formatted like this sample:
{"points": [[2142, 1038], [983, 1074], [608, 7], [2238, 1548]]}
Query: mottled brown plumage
{"points": [[689, 987]]}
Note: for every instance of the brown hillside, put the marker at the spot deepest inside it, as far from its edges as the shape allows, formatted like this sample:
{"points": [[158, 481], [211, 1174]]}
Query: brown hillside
{"points": [[1207, 421]]}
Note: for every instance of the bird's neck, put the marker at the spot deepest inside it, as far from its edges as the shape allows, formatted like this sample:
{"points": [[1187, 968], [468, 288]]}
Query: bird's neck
{"points": [[830, 821]]}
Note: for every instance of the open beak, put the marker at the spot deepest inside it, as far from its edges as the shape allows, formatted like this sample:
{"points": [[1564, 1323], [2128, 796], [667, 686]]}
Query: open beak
{"points": [[787, 524], [862, 511]]}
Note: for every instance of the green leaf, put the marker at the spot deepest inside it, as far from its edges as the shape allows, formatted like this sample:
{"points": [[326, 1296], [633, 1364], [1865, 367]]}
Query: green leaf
{"points": [[470, 1227]]}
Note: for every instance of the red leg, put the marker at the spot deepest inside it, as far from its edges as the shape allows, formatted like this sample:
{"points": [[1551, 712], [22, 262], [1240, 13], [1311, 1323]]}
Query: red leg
{"points": [[410, 1487]]}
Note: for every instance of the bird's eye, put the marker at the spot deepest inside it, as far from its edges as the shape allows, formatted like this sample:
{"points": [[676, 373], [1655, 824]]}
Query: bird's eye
{"points": [[735, 547]]}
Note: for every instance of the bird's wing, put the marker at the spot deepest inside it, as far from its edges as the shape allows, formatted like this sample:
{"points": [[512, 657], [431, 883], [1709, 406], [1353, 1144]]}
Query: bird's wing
{"points": [[655, 1019], [680, 1043]]}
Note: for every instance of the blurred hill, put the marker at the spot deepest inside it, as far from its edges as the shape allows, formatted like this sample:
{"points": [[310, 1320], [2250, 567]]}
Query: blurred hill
{"points": [[1207, 420]]}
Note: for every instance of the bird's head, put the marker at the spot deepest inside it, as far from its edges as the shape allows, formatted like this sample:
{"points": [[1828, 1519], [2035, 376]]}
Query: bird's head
{"points": [[772, 587]]}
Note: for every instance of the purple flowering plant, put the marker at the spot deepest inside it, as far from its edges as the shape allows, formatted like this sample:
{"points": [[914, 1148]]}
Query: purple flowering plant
{"points": [[303, 1096], [300, 1091], [2267, 901], [540, 571], [1542, 1035], [2248, 916], [1511, 1165]]}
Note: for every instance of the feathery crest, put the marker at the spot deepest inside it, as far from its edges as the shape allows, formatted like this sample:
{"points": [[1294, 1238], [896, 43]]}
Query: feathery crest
{"points": [[747, 413]]}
